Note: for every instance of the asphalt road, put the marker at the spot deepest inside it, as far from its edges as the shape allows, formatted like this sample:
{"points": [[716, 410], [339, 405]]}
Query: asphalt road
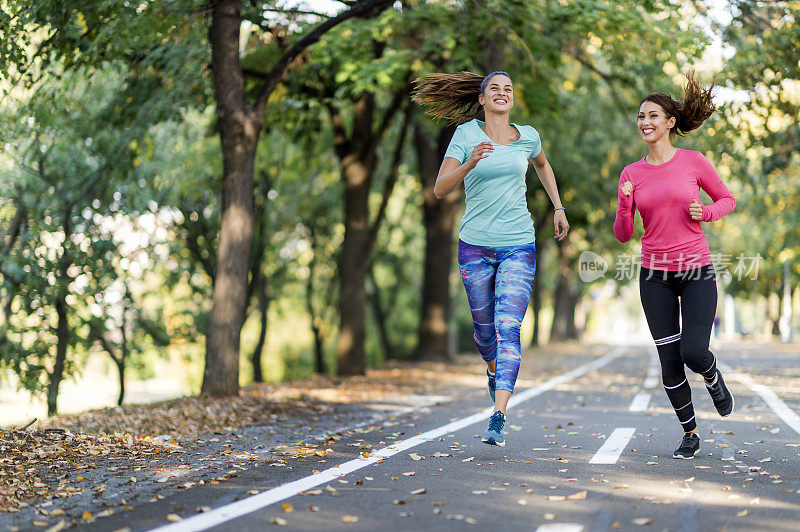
{"points": [[588, 450]]}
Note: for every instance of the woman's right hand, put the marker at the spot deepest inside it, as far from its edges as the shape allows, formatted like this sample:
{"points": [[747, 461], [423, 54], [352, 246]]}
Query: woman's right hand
{"points": [[481, 151], [627, 188]]}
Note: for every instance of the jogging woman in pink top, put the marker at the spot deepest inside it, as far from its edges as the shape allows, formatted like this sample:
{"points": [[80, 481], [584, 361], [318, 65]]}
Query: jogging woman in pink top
{"points": [[677, 281]]}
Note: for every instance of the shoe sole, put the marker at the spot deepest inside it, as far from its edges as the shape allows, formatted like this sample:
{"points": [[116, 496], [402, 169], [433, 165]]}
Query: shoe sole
{"points": [[492, 441], [733, 403]]}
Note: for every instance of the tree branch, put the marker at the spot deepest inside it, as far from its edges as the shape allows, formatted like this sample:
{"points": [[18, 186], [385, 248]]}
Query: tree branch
{"points": [[357, 9], [391, 180], [397, 102]]}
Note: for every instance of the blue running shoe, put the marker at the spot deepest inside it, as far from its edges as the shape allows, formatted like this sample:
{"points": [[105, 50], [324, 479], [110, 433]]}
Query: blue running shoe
{"points": [[490, 384], [494, 434]]}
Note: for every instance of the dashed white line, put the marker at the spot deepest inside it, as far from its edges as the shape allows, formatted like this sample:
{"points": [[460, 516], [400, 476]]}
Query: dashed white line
{"points": [[237, 509], [640, 402], [560, 527], [652, 374], [614, 445], [768, 396]]}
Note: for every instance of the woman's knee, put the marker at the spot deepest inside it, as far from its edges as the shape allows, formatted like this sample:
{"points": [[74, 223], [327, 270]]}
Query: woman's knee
{"points": [[508, 329], [695, 356]]}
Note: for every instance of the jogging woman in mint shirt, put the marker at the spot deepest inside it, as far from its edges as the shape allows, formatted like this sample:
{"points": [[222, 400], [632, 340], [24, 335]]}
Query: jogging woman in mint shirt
{"points": [[496, 253]]}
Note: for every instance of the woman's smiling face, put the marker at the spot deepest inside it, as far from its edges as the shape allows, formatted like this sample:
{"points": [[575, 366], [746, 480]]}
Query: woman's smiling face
{"points": [[652, 122], [498, 97]]}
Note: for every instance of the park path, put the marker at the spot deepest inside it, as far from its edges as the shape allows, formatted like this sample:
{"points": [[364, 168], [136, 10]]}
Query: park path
{"points": [[588, 449]]}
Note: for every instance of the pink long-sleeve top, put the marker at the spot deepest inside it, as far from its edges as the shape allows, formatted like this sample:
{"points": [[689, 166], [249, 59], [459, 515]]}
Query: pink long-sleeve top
{"points": [[672, 240]]}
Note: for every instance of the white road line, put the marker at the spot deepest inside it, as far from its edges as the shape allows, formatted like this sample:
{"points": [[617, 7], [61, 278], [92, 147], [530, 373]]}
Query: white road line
{"points": [[560, 527], [640, 402], [650, 382], [768, 396], [237, 509], [609, 452]]}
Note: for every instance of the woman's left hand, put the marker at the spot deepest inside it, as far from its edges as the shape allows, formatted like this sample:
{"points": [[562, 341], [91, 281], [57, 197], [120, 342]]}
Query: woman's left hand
{"points": [[561, 224], [696, 210]]}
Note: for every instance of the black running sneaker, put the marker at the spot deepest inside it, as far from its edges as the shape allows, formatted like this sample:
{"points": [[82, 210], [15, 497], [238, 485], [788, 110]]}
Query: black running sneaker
{"points": [[690, 446], [721, 396]]}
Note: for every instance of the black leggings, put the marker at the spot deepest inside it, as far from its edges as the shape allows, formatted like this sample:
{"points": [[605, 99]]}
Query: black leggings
{"points": [[680, 309]]}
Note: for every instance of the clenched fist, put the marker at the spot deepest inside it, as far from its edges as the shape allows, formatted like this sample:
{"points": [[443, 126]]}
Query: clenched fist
{"points": [[627, 188], [696, 209]]}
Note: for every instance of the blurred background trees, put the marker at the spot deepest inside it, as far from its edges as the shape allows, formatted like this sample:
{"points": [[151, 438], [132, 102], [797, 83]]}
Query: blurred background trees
{"points": [[124, 125]]}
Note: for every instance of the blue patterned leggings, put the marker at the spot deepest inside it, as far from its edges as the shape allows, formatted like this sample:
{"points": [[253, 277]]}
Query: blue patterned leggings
{"points": [[498, 283]]}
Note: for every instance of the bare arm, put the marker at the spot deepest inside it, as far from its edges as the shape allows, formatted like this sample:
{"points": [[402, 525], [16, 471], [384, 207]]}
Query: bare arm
{"points": [[548, 180], [451, 173]]}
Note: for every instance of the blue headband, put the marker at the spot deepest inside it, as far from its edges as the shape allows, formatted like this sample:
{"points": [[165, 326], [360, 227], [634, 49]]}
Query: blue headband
{"points": [[490, 76]]}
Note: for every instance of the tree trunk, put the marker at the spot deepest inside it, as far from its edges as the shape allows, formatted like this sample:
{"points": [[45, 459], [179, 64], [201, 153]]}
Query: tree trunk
{"points": [[353, 270], [124, 352], [62, 312], [239, 130], [565, 298], [536, 299], [239, 126], [62, 342], [314, 316], [357, 167], [121, 374], [263, 309], [433, 336], [381, 318]]}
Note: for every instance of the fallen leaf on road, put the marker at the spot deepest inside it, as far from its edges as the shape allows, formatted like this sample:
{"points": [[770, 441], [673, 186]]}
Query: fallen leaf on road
{"points": [[522, 502], [279, 521], [616, 525], [174, 518], [470, 459], [350, 518], [315, 491], [86, 515], [312, 508], [556, 498], [755, 501], [415, 456], [742, 513], [479, 492], [581, 495], [419, 491], [550, 517], [287, 507], [620, 487], [409, 474], [470, 521], [643, 521], [438, 503]]}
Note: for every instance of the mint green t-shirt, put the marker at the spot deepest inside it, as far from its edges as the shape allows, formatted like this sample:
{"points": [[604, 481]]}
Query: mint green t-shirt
{"points": [[497, 212]]}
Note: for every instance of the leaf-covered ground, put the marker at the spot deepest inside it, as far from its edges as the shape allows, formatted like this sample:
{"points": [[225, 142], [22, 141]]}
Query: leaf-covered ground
{"points": [[78, 467], [45, 460]]}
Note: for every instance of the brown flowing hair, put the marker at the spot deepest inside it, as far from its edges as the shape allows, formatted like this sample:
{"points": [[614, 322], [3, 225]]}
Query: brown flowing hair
{"points": [[452, 97], [697, 105]]}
